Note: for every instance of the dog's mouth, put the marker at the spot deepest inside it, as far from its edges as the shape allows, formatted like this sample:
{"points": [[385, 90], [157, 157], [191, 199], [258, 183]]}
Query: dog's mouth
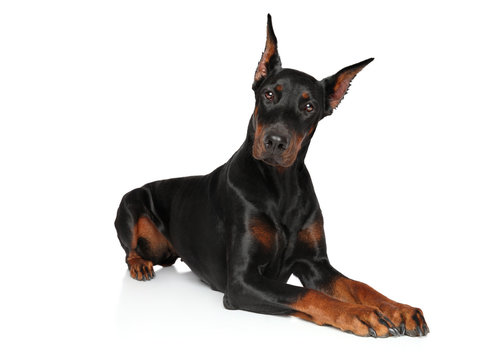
{"points": [[273, 162], [277, 161]]}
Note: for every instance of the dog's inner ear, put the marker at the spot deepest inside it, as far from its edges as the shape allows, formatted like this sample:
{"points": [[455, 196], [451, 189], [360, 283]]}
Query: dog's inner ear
{"points": [[270, 62], [336, 86]]}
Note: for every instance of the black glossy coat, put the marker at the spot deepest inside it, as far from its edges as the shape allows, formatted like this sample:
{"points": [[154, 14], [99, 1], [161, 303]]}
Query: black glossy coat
{"points": [[254, 221], [208, 219]]}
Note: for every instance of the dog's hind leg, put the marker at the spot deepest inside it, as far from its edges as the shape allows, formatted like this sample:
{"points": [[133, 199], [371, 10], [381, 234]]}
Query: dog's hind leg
{"points": [[140, 236]]}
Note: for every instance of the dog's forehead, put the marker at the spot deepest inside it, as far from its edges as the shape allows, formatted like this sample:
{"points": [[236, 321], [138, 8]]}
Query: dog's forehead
{"points": [[294, 81]]}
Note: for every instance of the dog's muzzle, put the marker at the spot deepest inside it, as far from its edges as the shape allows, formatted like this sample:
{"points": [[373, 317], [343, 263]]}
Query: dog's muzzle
{"points": [[275, 146]]}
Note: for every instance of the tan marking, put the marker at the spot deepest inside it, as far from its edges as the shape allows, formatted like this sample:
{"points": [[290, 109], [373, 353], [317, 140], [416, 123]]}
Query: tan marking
{"points": [[146, 229], [341, 86], [312, 234], [324, 310], [269, 51], [290, 155], [263, 231], [279, 88], [356, 292], [348, 290], [305, 95], [315, 307], [258, 142]]}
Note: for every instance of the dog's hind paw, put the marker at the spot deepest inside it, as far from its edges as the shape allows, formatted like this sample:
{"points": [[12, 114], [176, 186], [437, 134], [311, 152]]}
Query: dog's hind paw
{"points": [[140, 269]]}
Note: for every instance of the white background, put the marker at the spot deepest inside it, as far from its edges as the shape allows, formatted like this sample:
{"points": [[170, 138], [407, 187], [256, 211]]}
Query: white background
{"points": [[99, 97]]}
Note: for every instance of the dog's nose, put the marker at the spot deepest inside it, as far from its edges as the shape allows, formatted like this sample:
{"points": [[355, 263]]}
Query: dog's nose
{"points": [[275, 143]]}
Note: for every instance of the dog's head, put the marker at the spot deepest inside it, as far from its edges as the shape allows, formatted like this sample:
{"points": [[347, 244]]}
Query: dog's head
{"points": [[289, 104]]}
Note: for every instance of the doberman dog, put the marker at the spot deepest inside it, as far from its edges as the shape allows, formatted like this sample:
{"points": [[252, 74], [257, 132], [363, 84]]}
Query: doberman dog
{"points": [[254, 221]]}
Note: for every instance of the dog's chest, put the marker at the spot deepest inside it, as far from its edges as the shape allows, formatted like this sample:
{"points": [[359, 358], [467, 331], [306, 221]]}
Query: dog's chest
{"points": [[281, 254]]}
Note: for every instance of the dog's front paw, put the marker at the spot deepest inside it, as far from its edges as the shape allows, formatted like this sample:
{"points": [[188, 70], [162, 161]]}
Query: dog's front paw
{"points": [[367, 321], [409, 320]]}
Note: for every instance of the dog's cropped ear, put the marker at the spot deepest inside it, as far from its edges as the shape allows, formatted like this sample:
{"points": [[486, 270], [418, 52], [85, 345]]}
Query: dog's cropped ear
{"points": [[336, 86], [270, 61]]}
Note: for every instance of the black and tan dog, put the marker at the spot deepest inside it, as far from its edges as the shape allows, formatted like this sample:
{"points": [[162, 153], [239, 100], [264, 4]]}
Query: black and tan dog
{"points": [[254, 221]]}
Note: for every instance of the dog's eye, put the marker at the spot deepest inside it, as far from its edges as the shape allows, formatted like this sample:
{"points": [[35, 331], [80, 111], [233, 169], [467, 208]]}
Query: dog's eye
{"points": [[269, 95], [309, 107]]}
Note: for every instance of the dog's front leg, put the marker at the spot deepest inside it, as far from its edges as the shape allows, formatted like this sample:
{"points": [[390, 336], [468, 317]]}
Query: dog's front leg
{"points": [[267, 296], [315, 272], [249, 289]]}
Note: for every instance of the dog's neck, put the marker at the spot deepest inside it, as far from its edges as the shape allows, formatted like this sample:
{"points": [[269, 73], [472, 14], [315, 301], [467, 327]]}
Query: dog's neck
{"points": [[280, 189]]}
